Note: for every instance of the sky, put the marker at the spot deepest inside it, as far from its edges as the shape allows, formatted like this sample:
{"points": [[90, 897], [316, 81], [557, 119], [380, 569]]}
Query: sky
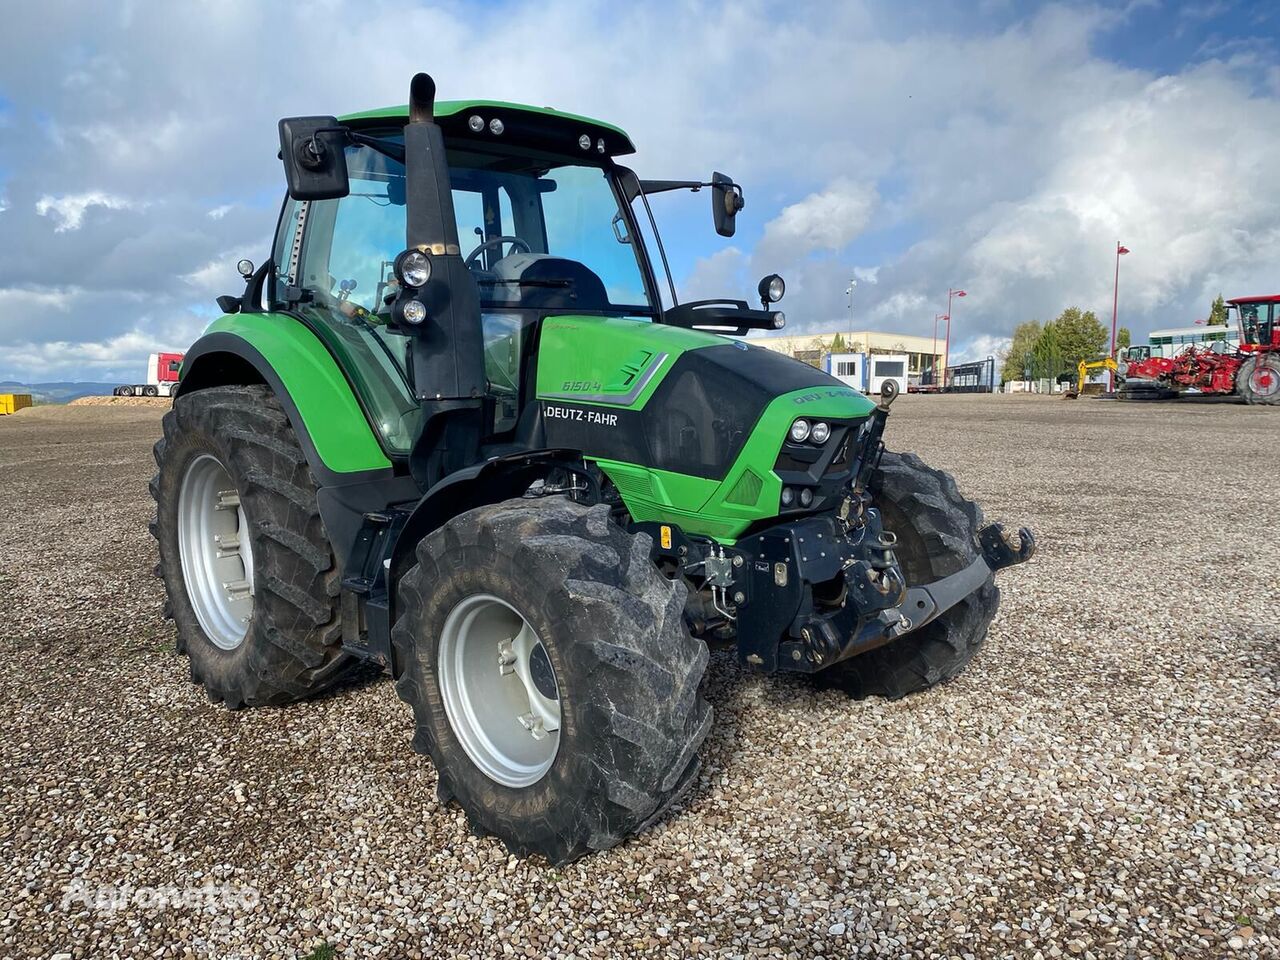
{"points": [[1001, 147]]}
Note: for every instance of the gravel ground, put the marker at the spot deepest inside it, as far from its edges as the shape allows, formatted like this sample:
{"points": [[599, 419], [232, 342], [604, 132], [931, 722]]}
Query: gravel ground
{"points": [[1103, 781]]}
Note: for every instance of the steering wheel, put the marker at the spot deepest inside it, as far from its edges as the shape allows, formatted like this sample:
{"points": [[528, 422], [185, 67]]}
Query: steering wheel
{"points": [[495, 243]]}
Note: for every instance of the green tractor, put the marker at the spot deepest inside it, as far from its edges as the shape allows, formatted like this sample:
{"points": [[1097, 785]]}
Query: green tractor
{"points": [[452, 428]]}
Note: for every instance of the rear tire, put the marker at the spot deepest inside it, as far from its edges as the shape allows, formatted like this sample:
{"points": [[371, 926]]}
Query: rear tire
{"points": [[1259, 380], [937, 536], [624, 671], [238, 443], [150, 391]]}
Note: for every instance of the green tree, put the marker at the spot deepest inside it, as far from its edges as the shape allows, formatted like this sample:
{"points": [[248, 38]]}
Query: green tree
{"points": [[1079, 336], [837, 344], [1016, 360], [1218, 312], [1123, 339], [1046, 355]]}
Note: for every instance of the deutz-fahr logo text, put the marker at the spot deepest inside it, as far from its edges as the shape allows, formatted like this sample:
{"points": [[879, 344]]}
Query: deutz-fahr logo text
{"points": [[824, 394], [579, 415]]}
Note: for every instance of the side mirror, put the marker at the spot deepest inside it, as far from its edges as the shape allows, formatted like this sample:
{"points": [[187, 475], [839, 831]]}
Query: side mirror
{"points": [[726, 201], [315, 164]]}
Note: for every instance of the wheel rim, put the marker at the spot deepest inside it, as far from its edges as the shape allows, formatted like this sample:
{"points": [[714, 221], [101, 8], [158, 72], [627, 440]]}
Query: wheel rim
{"points": [[217, 556], [499, 690], [1264, 381]]}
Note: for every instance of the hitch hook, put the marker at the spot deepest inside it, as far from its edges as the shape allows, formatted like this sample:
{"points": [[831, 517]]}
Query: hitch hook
{"points": [[998, 549]]}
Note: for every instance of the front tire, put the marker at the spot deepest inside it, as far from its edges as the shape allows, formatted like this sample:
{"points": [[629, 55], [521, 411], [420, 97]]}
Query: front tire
{"points": [[251, 579], [598, 747], [1259, 379], [937, 531]]}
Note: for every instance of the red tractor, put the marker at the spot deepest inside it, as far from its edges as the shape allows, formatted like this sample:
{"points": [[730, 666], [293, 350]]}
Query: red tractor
{"points": [[1252, 371]]}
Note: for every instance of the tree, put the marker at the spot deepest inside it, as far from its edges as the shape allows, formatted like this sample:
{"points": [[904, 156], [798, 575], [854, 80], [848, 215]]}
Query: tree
{"points": [[1016, 360], [1079, 336], [1046, 355], [837, 344], [1123, 339], [1218, 312]]}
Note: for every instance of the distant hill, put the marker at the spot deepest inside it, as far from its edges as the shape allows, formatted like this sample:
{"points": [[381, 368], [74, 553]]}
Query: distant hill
{"points": [[58, 391]]}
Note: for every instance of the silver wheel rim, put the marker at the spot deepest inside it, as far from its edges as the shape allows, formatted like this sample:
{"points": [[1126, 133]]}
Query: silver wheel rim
{"points": [[499, 690], [217, 556]]}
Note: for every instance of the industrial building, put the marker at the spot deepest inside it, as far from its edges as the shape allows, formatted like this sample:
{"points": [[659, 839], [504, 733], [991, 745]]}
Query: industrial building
{"points": [[814, 347]]}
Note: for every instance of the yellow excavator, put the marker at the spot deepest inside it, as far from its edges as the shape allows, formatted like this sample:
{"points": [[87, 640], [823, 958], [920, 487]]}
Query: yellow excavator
{"points": [[1082, 372]]}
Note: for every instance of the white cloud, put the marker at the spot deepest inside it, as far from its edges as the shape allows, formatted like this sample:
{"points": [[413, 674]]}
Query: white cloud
{"points": [[115, 358], [823, 222], [218, 212], [69, 210]]}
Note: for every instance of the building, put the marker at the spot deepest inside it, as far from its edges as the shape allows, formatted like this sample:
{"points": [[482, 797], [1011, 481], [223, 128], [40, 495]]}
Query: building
{"points": [[812, 347], [1171, 342]]}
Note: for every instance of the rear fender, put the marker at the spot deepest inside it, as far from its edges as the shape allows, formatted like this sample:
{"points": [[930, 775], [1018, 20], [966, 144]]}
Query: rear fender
{"points": [[279, 351]]}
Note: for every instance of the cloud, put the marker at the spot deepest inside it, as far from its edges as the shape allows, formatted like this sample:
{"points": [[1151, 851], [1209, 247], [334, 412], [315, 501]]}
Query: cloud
{"points": [[823, 222], [994, 148], [69, 210]]}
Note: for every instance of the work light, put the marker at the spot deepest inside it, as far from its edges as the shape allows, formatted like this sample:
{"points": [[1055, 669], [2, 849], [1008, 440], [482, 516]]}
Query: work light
{"points": [[772, 288], [584, 142], [475, 122], [496, 126], [412, 268]]}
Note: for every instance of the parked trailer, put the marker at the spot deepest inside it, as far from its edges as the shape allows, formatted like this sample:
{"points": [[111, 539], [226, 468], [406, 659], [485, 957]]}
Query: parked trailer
{"points": [[162, 377], [13, 402]]}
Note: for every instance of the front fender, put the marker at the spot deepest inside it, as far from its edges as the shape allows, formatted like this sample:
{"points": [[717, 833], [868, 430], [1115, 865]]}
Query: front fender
{"points": [[280, 351]]}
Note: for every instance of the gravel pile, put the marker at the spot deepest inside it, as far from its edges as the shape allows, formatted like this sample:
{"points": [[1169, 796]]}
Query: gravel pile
{"points": [[161, 402], [1103, 781]]}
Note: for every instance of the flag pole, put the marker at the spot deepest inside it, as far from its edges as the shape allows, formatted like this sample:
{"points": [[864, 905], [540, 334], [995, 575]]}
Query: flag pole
{"points": [[1115, 305]]}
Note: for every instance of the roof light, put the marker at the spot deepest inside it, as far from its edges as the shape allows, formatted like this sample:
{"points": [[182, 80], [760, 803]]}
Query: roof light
{"points": [[584, 142], [475, 122], [600, 145], [496, 127]]}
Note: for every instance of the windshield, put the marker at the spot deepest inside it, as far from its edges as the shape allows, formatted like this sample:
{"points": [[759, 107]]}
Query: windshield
{"points": [[536, 232], [1255, 321]]}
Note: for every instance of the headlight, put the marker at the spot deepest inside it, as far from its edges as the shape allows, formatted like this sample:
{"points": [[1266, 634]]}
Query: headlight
{"points": [[413, 268], [788, 496], [820, 433], [413, 311], [806, 497], [800, 431]]}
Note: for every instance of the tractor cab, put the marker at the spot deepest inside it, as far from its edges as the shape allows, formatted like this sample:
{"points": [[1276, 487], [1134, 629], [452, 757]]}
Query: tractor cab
{"points": [[1259, 321]]}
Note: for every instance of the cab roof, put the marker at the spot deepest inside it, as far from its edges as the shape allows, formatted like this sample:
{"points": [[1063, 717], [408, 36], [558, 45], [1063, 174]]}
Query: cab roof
{"points": [[547, 126], [1264, 298]]}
